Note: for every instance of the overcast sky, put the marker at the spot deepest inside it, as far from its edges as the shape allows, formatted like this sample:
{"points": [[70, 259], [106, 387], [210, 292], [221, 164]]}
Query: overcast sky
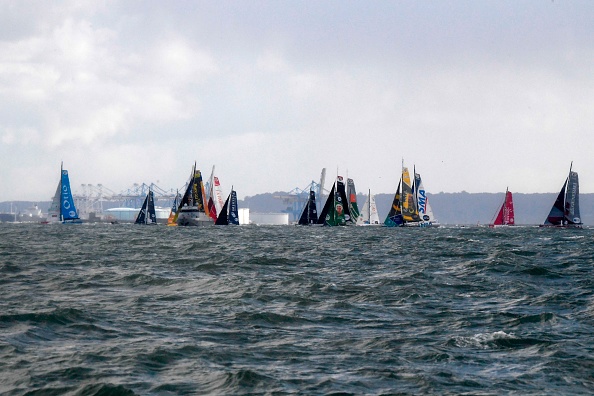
{"points": [[479, 95]]}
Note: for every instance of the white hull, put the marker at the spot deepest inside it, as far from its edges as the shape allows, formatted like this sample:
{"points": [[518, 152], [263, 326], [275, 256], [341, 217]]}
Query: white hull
{"points": [[191, 217]]}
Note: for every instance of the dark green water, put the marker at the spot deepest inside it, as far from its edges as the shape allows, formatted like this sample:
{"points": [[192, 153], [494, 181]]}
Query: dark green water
{"points": [[123, 309]]}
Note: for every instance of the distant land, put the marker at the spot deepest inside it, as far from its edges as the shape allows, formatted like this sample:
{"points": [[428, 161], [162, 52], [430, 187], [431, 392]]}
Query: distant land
{"points": [[449, 208]]}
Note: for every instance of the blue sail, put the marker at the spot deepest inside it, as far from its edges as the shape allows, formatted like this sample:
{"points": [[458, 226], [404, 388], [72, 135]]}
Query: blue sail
{"points": [[67, 208], [233, 210]]}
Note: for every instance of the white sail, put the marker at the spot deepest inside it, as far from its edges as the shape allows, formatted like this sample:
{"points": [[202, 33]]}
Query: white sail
{"points": [[373, 215], [213, 191], [368, 215], [425, 211], [54, 209], [217, 195]]}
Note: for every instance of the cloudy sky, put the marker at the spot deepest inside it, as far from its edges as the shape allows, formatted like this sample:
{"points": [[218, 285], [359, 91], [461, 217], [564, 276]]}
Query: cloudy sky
{"points": [[479, 95]]}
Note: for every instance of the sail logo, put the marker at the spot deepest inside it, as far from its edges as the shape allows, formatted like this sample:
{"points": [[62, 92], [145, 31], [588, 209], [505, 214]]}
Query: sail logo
{"points": [[65, 198], [422, 201], [571, 205]]}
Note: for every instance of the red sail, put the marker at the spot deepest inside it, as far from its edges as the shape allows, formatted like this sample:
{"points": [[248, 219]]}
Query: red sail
{"points": [[212, 211], [505, 216], [499, 219], [508, 209]]}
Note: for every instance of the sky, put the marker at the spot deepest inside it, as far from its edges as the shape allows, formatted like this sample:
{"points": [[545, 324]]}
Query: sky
{"points": [[477, 95]]}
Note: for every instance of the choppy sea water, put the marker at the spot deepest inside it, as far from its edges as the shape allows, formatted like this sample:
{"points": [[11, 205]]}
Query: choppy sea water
{"points": [[124, 309]]}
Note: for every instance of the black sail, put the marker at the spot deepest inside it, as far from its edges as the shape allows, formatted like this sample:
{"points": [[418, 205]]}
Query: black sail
{"points": [[141, 218], [327, 206], [223, 218], [310, 213], [151, 208], [572, 200], [233, 217], [555, 216], [147, 214], [229, 212], [341, 190]]}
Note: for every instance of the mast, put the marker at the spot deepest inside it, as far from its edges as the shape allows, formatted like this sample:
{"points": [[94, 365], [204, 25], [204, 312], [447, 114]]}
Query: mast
{"points": [[504, 209], [401, 180], [506, 205], [321, 187], [147, 214], [565, 195], [414, 184], [211, 183]]}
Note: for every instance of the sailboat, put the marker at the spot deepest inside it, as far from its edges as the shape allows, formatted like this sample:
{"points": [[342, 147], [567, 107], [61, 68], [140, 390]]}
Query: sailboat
{"points": [[427, 219], [505, 215], [336, 209], [171, 221], [394, 217], [147, 214], [309, 215], [215, 200], [369, 215], [352, 196], [62, 209], [566, 209], [192, 210], [229, 213], [404, 206]]}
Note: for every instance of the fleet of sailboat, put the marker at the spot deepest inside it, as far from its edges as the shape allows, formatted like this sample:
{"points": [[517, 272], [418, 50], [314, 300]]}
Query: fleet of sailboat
{"points": [[192, 210], [410, 205]]}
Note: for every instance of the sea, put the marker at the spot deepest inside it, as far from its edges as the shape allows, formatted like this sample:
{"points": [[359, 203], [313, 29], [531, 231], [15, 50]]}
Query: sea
{"points": [[121, 309]]}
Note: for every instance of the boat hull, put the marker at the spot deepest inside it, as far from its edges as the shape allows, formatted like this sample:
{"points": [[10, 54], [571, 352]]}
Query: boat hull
{"points": [[420, 224], [191, 217], [561, 225]]}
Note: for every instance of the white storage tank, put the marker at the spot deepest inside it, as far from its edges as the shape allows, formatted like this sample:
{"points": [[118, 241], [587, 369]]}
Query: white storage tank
{"points": [[129, 214], [244, 216], [269, 218]]}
